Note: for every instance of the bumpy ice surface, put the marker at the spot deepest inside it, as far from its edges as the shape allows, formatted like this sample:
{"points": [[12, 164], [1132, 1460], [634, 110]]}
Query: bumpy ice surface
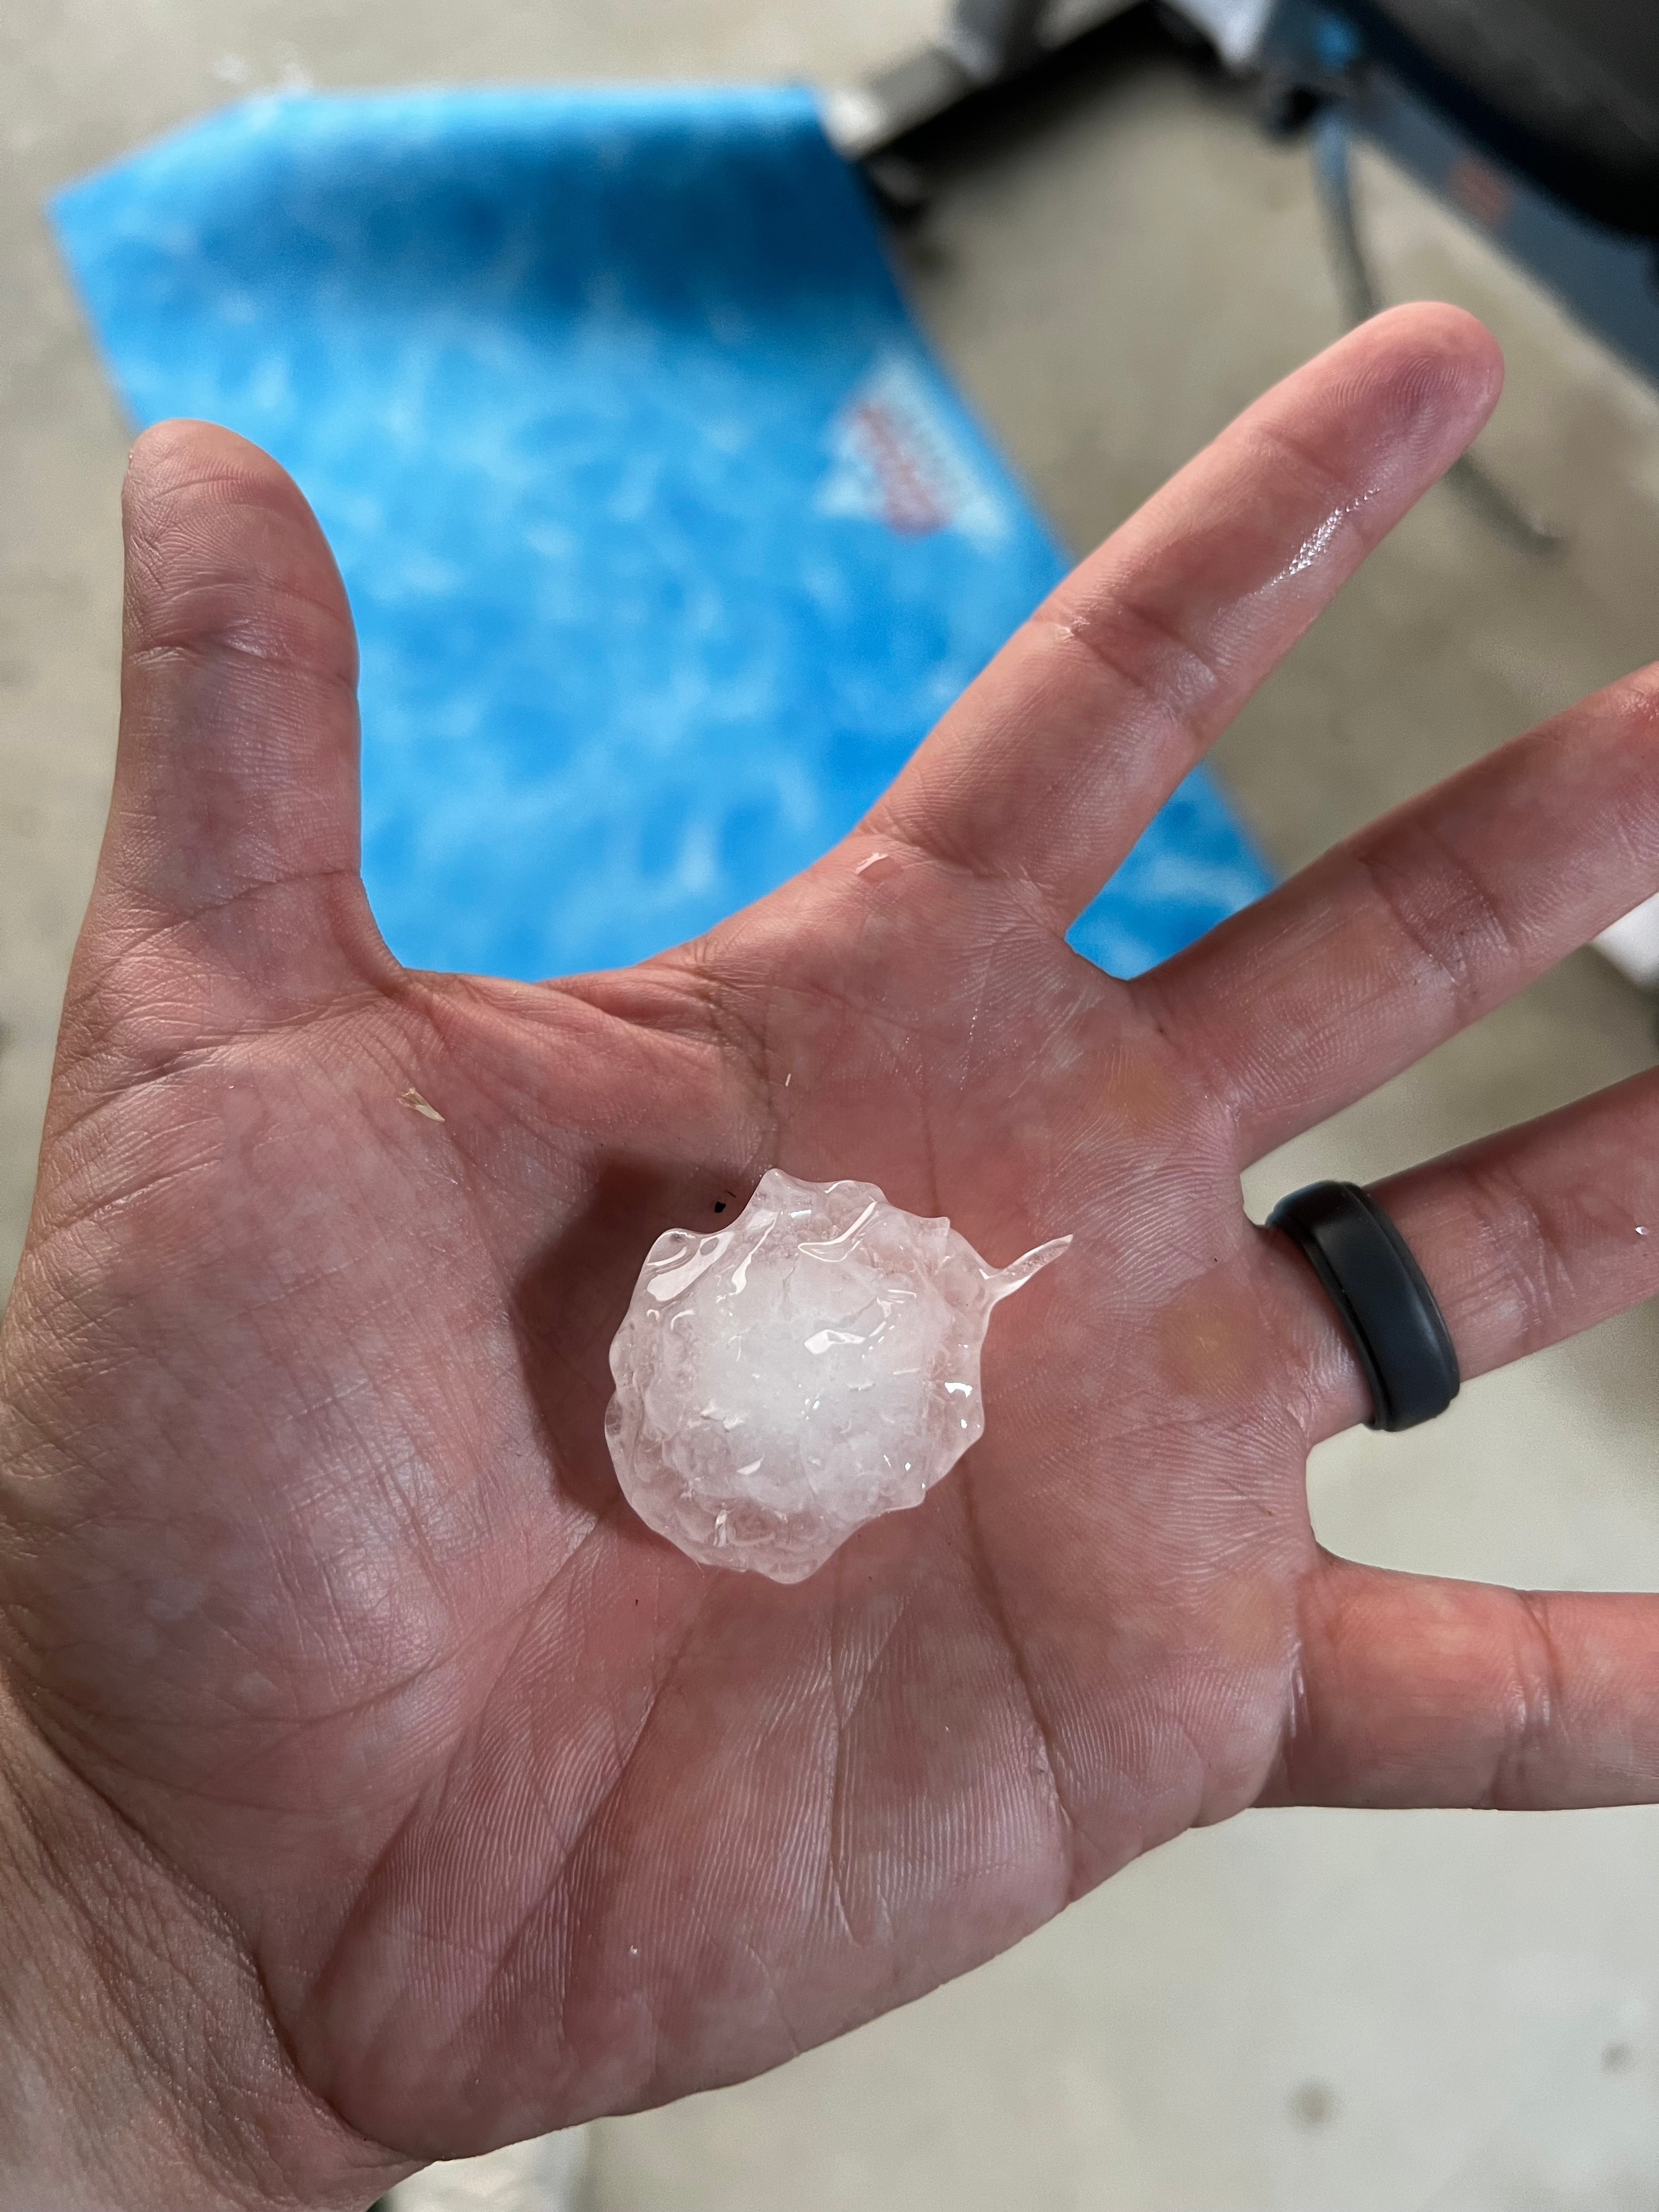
{"points": [[782, 1381]]}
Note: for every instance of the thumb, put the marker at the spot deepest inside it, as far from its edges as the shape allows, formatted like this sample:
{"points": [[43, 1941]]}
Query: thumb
{"points": [[228, 891]]}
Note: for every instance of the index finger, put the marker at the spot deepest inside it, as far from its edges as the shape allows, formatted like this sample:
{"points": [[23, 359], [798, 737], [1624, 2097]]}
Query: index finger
{"points": [[1047, 769]]}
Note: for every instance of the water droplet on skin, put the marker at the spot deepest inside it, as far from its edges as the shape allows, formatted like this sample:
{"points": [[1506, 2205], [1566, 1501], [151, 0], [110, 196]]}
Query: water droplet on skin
{"points": [[878, 868]]}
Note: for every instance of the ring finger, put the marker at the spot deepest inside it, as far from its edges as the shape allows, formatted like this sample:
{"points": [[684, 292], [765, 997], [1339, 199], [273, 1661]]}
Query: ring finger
{"points": [[1525, 1238]]}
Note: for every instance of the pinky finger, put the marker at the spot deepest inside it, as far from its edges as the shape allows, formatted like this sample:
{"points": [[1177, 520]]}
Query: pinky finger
{"points": [[1418, 1691]]}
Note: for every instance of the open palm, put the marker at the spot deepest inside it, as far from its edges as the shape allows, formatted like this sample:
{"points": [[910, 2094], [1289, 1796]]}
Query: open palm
{"points": [[314, 1568]]}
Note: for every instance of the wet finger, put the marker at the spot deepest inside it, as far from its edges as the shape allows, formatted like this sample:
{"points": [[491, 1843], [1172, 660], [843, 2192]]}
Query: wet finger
{"points": [[1049, 767]]}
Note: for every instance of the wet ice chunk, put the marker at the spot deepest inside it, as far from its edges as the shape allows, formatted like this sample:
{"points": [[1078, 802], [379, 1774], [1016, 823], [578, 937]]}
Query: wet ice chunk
{"points": [[782, 1381]]}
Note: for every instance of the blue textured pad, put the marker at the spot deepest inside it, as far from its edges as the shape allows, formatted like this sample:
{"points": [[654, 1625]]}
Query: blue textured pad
{"points": [[666, 537]]}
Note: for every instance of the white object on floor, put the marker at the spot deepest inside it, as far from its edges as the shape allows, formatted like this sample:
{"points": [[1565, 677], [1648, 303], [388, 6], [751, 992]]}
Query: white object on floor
{"points": [[544, 2175], [1632, 943], [782, 1381], [1235, 25]]}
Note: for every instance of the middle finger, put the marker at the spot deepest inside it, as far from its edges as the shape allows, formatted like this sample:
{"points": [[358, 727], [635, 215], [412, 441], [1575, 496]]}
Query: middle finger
{"points": [[1408, 932]]}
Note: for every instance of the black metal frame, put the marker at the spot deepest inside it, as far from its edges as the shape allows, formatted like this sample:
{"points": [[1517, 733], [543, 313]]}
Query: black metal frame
{"points": [[983, 44]]}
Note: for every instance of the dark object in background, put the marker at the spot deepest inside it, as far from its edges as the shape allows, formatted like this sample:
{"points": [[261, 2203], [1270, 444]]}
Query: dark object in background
{"points": [[981, 49], [1566, 91], [1536, 121]]}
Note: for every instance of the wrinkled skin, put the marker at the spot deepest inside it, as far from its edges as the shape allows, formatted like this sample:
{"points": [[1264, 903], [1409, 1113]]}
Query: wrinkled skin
{"points": [[484, 1809]]}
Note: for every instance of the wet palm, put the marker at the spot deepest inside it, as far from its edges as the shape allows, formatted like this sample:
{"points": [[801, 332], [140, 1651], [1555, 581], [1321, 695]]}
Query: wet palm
{"points": [[313, 1562]]}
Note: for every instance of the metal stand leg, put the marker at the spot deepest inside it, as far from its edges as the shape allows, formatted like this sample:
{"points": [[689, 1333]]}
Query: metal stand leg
{"points": [[1334, 182]]}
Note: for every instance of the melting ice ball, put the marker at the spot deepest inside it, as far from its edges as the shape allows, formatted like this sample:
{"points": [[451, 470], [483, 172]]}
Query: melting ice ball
{"points": [[782, 1381]]}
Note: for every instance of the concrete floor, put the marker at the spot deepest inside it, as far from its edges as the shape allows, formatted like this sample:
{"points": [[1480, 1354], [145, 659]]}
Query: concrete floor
{"points": [[1295, 2011]]}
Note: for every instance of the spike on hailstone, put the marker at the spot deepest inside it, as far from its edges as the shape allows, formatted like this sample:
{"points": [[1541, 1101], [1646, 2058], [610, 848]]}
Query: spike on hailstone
{"points": [[787, 1379]]}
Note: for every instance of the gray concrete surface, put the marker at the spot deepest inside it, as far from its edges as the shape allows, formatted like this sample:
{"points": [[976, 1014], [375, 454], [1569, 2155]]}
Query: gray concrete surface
{"points": [[1296, 2011], [553, 2174]]}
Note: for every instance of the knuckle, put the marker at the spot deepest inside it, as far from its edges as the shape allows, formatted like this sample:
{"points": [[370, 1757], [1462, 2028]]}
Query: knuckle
{"points": [[1535, 1706], [225, 561], [1455, 930], [1526, 1250]]}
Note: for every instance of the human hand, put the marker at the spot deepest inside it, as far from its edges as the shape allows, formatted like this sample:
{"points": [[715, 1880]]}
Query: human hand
{"points": [[457, 1805]]}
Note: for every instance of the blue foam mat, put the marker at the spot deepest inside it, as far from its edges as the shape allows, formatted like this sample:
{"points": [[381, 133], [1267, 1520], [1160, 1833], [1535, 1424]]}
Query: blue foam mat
{"points": [[667, 537]]}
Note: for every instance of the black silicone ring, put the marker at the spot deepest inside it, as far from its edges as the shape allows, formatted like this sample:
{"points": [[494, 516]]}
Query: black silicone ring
{"points": [[1387, 1312]]}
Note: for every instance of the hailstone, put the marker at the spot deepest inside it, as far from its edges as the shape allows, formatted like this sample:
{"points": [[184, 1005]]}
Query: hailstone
{"points": [[782, 1381]]}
